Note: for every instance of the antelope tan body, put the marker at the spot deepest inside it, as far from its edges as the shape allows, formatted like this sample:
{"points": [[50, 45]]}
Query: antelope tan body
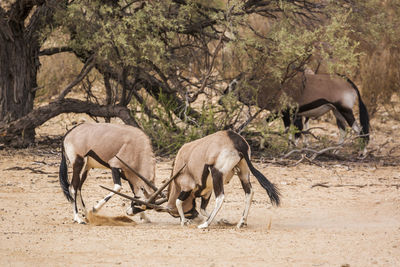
{"points": [[317, 94], [97, 145], [210, 163], [313, 95], [333, 89]]}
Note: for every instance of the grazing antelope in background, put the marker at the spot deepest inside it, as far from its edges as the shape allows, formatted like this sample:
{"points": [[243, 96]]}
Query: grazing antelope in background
{"points": [[111, 146], [314, 95], [322, 93], [210, 163]]}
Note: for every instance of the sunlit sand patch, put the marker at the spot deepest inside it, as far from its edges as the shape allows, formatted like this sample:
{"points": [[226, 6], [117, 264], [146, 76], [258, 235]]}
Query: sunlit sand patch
{"points": [[95, 219]]}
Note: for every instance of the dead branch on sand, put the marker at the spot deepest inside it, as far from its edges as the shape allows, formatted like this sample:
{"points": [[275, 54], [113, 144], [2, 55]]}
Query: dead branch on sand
{"points": [[327, 185], [17, 168]]}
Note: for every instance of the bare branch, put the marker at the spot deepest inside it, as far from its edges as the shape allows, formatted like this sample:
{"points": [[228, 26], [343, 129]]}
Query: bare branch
{"points": [[85, 70], [209, 71], [54, 50], [315, 152], [241, 127]]}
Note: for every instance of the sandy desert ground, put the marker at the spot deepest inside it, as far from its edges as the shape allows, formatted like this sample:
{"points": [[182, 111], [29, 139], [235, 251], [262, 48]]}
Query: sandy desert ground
{"points": [[352, 220]]}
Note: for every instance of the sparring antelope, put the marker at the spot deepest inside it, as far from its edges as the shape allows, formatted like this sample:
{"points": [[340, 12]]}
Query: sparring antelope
{"points": [[124, 149], [315, 95], [210, 163]]}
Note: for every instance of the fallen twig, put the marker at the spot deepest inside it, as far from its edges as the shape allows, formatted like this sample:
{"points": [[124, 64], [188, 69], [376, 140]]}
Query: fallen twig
{"points": [[315, 152], [326, 185], [16, 168]]}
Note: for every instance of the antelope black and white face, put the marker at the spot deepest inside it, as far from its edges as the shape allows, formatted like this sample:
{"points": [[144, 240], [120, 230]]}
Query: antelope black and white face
{"points": [[134, 209], [189, 208]]}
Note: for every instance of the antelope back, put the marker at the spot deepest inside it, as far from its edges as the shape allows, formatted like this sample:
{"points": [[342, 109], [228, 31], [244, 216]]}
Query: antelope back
{"points": [[323, 86], [108, 140]]}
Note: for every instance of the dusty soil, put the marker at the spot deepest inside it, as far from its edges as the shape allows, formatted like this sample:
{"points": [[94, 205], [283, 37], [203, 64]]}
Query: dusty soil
{"points": [[342, 213]]}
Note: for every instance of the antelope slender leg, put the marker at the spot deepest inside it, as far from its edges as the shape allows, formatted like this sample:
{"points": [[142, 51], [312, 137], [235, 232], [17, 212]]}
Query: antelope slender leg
{"points": [[218, 184], [77, 168], [117, 187], [305, 128], [342, 130], [298, 123], [83, 178], [341, 123], [244, 176], [182, 197], [204, 203]]}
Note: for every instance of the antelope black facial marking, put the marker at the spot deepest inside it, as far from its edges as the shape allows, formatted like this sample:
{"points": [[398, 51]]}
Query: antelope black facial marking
{"points": [[96, 157], [136, 210]]}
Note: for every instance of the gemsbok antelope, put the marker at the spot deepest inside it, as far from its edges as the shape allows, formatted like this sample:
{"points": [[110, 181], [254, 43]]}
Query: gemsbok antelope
{"points": [[110, 146], [322, 93], [210, 163], [315, 95]]}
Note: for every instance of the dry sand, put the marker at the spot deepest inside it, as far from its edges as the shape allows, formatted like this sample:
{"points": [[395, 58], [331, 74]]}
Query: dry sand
{"points": [[353, 222]]}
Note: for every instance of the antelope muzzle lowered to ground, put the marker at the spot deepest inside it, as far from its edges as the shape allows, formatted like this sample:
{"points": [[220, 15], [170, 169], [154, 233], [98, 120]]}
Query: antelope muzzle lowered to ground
{"points": [[154, 201]]}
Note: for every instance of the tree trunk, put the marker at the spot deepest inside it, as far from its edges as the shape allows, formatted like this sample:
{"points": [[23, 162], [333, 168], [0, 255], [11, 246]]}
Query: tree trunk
{"points": [[18, 68]]}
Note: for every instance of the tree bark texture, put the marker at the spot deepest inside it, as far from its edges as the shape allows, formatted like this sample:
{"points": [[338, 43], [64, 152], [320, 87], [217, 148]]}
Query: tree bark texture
{"points": [[19, 59], [18, 67]]}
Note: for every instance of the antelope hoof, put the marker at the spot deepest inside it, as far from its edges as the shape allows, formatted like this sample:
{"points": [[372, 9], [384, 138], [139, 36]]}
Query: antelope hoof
{"points": [[128, 211], [363, 154], [241, 224], [185, 222], [144, 218], [79, 220], [203, 225]]}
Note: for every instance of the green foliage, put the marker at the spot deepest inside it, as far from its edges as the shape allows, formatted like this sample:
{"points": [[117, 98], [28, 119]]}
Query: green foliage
{"points": [[271, 51], [377, 25], [173, 44], [168, 137]]}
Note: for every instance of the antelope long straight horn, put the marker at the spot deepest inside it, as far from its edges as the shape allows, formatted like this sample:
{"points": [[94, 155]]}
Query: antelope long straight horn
{"points": [[138, 174], [138, 201], [154, 195]]}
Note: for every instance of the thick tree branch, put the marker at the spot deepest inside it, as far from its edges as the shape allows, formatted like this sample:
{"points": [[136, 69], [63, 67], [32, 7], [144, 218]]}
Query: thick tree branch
{"points": [[42, 114], [54, 50]]}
